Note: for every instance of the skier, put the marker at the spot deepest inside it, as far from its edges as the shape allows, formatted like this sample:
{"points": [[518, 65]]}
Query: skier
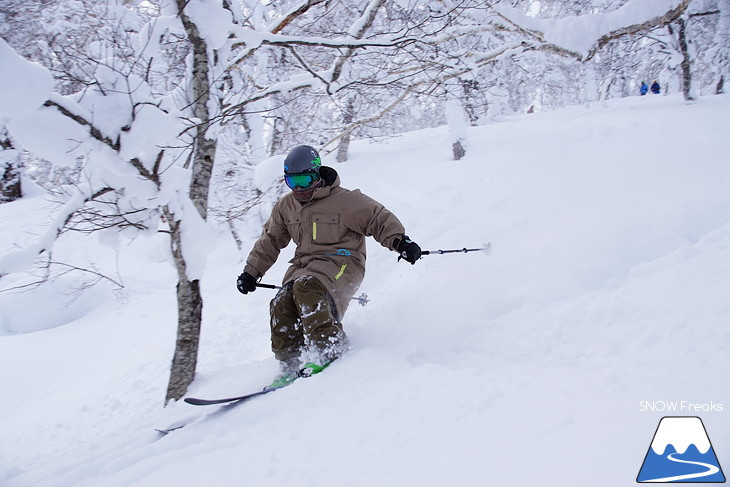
{"points": [[655, 87], [328, 224], [643, 89]]}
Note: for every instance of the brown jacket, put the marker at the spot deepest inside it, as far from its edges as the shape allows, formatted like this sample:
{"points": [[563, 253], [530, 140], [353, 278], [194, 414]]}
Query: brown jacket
{"points": [[329, 232]]}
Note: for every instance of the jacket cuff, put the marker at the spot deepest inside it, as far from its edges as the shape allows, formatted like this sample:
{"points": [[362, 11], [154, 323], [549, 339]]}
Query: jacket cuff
{"points": [[397, 242], [252, 270]]}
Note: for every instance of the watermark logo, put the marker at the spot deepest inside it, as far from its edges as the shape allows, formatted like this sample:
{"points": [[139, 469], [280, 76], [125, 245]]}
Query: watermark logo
{"points": [[681, 452], [681, 407]]}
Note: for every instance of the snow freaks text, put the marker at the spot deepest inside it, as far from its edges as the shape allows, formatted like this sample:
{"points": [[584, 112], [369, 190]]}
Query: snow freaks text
{"points": [[682, 407]]}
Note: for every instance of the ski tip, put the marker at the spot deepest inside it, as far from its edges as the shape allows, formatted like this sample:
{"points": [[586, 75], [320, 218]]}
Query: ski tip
{"points": [[196, 401], [167, 431], [209, 402]]}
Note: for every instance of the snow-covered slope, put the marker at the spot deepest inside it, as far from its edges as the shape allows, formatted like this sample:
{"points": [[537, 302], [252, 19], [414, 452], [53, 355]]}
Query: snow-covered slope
{"points": [[607, 285]]}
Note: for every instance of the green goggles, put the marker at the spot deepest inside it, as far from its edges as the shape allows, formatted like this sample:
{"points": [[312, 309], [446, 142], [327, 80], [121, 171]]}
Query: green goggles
{"points": [[301, 180]]}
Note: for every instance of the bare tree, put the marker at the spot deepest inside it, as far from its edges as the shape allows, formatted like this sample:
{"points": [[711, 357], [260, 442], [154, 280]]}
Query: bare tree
{"points": [[189, 297]]}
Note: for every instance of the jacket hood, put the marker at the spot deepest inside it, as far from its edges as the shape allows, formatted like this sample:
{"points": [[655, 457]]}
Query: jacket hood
{"points": [[330, 176]]}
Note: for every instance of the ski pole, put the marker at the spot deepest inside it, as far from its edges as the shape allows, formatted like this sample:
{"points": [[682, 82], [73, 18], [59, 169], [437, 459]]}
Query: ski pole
{"points": [[486, 248], [362, 300]]}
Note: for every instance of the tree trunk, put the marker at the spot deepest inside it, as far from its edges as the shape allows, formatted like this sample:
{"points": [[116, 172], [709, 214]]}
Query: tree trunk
{"points": [[189, 297], [277, 136], [204, 149], [471, 90], [458, 150], [686, 64], [348, 115], [185, 360], [189, 319], [10, 183], [10, 189]]}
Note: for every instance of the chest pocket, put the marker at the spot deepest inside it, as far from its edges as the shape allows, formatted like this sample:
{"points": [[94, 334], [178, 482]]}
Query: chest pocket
{"points": [[326, 228], [294, 225]]}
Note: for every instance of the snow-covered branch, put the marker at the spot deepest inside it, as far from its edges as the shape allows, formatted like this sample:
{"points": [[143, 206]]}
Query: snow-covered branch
{"points": [[653, 23], [57, 103], [293, 14]]}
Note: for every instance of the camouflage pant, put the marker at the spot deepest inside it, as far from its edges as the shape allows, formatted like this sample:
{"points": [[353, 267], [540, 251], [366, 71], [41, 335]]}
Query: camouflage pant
{"points": [[304, 317]]}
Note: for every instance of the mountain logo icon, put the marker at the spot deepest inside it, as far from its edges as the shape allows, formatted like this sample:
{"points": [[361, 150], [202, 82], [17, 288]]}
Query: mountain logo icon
{"points": [[681, 452]]}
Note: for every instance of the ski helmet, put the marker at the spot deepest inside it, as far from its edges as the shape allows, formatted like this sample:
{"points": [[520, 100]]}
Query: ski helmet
{"points": [[301, 159]]}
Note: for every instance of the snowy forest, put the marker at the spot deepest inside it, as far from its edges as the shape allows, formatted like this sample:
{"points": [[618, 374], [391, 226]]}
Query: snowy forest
{"points": [[147, 116]]}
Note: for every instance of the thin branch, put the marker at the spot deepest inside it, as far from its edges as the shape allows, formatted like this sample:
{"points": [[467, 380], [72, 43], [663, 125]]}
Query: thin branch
{"points": [[702, 14], [94, 272]]}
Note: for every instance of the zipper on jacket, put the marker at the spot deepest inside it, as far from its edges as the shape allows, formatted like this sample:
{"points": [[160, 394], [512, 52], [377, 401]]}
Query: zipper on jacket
{"points": [[314, 230], [342, 271]]}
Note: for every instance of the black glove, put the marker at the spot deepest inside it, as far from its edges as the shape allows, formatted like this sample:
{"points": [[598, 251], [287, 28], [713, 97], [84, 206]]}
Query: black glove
{"points": [[246, 283], [408, 249]]}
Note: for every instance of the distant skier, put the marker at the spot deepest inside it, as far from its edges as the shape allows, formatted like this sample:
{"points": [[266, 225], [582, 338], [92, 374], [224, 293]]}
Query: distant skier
{"points": [[643, 89], [328, 224], [655, 87]]}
